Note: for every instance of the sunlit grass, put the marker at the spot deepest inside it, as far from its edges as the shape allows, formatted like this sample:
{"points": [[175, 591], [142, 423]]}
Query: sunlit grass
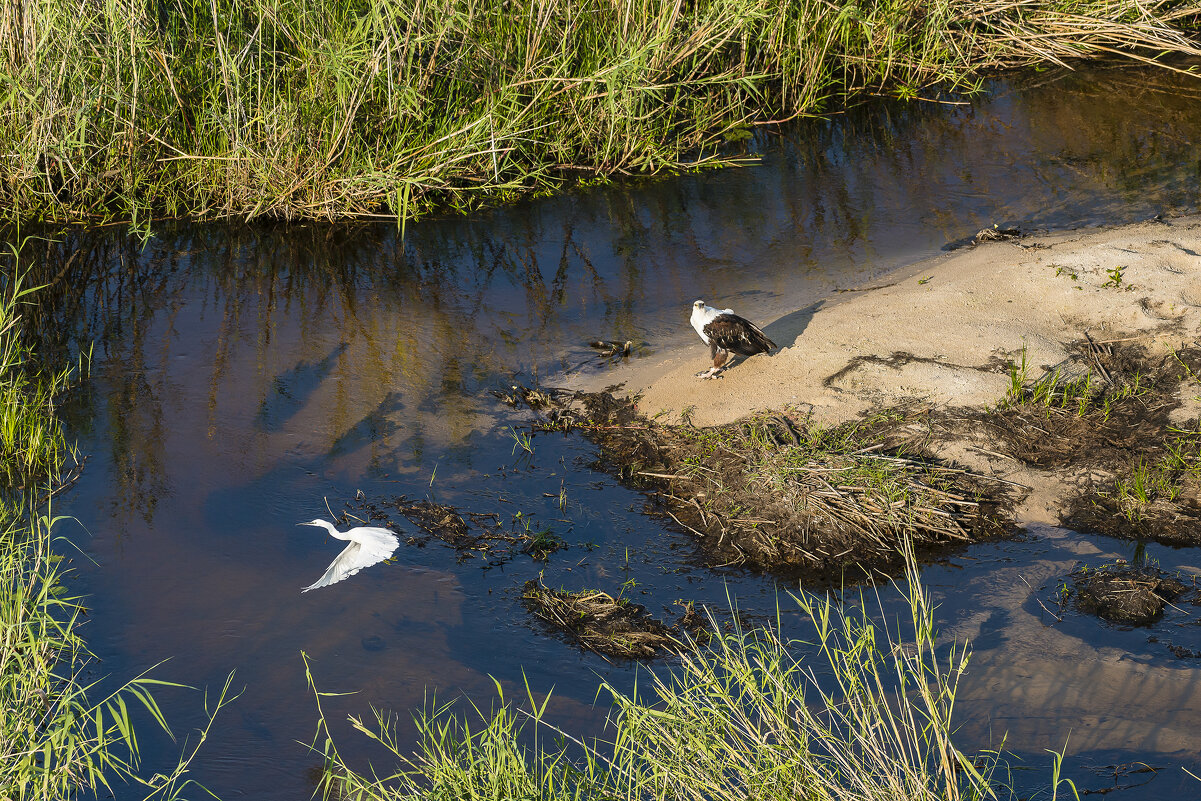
{"points": [[60, 735], [867, 715], [1057, 391], [325, 108], [32, 446]]}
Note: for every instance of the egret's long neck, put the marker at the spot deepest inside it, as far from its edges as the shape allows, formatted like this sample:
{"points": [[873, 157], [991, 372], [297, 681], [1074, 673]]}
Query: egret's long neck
{"points": [[333, 532]]}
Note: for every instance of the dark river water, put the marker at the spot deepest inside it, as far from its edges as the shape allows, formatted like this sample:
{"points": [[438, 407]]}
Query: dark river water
{"points": [[243, 378]]}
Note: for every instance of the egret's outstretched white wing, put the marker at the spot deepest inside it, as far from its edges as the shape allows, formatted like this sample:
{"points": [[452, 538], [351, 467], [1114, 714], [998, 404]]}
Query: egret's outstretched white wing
{"points": [[368, 546]]}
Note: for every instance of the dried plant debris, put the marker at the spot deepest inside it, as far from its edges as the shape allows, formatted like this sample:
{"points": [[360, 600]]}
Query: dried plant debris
{"points": [[1110, 411], [439, 521], [536, 398], [778, 493], [485, 535], [1124, 594], [613, 627], [995, 234], [607, 349]]}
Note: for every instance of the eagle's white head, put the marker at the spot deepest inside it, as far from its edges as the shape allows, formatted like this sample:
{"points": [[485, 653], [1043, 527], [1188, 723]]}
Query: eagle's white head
{"points": [[701, 315]]}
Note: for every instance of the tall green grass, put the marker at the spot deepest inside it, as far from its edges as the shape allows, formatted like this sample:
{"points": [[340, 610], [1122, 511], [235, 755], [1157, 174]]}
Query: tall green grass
{"points": [[331, 108], [868, 717], [32, 446], [57, 738]]}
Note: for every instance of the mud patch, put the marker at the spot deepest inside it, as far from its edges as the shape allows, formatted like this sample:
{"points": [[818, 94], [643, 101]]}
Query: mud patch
{"points": [[1151, 503], [1120, 420], [612, 627], [1126, 595]]}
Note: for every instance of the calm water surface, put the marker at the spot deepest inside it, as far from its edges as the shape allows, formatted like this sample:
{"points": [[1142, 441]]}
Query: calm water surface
{"points": [[243, 378]]}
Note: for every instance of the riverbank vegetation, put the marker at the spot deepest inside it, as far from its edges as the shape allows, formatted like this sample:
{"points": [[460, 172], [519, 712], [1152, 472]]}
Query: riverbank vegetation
{"points": [[327, 109], [781, 493], [867, 716], [56, 739], [1125, 421]]}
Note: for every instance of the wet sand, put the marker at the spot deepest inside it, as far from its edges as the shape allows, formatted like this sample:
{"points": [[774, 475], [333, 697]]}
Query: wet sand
{"points": [[944, 330]]}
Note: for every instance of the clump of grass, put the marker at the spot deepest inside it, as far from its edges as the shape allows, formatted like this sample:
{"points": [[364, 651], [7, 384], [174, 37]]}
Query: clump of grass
{"points": [[521, 440], [32, 445], [1169, 486], [505, 753], [1058, 391], [780, 493], [1082, 412], [1114, 418], [1145, 485], [868, 716], [539, 543], [599, 622], [324, 109], [57, 739], [1125, 594]]}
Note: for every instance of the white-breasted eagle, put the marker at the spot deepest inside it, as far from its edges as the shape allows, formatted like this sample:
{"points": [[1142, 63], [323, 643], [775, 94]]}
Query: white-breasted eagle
{"points": [[726, 333]]}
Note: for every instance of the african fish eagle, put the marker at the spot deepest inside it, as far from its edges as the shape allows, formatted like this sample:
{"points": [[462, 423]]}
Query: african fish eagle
{"points": [[725, 332]]}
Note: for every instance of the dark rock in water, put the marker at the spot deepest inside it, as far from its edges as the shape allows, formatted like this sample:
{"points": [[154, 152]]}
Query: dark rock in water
{"points": [[1134, 596]]}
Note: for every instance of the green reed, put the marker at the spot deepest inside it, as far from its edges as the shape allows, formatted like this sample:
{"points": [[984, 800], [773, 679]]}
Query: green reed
{"points": [[867, 716], [57, 739], [122, 109]]}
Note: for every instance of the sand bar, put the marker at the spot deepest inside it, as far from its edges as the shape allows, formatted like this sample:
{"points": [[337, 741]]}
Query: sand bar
{"points": [[945, 329]]}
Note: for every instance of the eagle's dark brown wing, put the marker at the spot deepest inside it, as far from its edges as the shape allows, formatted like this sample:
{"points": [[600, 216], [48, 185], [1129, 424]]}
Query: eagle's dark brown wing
{"points": [[734, 333]]}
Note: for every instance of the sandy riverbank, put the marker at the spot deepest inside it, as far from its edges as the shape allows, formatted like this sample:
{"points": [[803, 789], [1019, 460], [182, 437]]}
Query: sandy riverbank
{"points": [[945, 329]]}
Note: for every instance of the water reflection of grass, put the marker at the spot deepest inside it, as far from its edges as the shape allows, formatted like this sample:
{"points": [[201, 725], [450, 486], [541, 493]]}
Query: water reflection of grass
{"points": [[867, 716], [56, 739], [321, 108]]}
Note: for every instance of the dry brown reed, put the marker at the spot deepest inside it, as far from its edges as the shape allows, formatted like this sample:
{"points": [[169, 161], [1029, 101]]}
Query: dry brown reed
{"points": [[780, 493]]}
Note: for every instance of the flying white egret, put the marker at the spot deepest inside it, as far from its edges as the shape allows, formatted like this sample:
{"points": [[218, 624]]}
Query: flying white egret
{"points": [[368, 546]]}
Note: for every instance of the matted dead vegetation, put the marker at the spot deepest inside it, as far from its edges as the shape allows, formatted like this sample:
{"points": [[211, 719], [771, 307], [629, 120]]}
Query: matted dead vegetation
{"points": [[612, 627], [1107, 404], [1110, 412], [485, 535], [1125, 594], [779, 493]]}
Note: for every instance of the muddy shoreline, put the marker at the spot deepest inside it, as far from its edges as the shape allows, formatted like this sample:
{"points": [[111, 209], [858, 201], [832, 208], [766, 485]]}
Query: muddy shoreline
{"points": [[1117, 311]]}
